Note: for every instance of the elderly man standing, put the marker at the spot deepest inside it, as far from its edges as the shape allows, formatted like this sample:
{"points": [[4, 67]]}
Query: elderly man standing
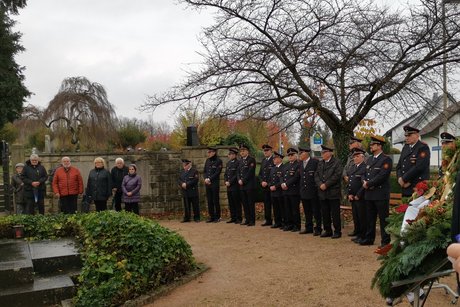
{"points": [[233, 190], [247, 181], [264, 176], [67, 185], [291, 188], [34, 176], [328, 178], [211, 174], [309, 192], [118, 172], [414, 163], [188, 183]]}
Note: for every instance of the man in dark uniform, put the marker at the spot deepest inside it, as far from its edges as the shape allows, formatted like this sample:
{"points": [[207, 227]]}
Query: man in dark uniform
{"points": [[355, 194], [188, 183], [328, 179], [447, 142], [211, 174], [309, 192], [291, 190], [264, 176], [377, 191], [414, 163], [247, 181], [233, 190], [276, 178]]}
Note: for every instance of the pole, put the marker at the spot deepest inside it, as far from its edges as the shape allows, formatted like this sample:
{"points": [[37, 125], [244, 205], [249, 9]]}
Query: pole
{"points": [[444, 68]]}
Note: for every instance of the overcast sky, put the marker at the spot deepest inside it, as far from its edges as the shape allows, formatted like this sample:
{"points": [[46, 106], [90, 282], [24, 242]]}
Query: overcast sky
{"points": [[132, 48]]}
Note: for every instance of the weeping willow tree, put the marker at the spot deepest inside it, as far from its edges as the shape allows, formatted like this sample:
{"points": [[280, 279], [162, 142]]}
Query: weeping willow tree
{"points": [[79, 116]]}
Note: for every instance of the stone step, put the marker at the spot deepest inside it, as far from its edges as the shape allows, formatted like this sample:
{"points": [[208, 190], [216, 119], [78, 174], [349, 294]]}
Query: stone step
{"points": [[15, 263], [54, 256], [44, 291]]}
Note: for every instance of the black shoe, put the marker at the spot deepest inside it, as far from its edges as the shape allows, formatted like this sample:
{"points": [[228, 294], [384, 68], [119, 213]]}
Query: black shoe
{"points": [[216, 221], [210, 221], [287, 228], [251, 224], [275, 226], [303, 232], [295, 229], [185, 221], [356, 240], [237, 222], [244, 223], [326, 234], [336, 235], [353, 234], [316, 233], [366, 242], [230, 221], [197, 221], [266, 224]]}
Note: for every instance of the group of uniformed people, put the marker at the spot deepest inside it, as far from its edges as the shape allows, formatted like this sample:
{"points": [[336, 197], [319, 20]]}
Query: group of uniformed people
{"points": [[314, 183]]}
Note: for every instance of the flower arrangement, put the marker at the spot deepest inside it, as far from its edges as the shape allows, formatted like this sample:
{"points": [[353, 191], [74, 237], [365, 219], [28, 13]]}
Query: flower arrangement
{"points": [[420, 231]]}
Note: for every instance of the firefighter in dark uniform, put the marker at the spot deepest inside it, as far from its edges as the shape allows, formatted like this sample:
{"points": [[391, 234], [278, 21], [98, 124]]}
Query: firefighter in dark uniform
{"points": [[377, 191], [211, 174], [291, 188], [264, 176], [233, 189], [247, 181], [328, 179], [276, 178], [309, 192], [447, 142], [414, 162], [355, 194], [188, 183]]}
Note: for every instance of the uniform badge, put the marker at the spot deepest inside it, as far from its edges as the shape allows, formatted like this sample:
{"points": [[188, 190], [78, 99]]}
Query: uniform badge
{"points": [[386, 166], [422, 154]]}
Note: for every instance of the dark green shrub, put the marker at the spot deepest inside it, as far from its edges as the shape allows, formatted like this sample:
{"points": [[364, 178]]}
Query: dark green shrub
{"points": [[123, 255]]}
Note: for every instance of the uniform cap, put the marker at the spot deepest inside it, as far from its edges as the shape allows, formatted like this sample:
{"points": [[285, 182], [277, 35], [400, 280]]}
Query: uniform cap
{"points": [[266, 147], [355, 139], [447, 137], [304, 149], [357, 151], [277, 154], [233, 151], [212, 149], [244, 146], [409, 130], [19, 165], [292, 151], [377, 139], [186, 161], [325, 148]]}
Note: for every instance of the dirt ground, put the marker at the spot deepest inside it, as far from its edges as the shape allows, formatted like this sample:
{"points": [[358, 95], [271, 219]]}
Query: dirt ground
{"points": [[259, 266]]}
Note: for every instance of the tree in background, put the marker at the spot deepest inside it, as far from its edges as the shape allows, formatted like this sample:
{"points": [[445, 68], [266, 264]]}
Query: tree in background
{"points": [[9, 133], [340, 58], [131, 132], [212, 131], [12, 90], [236, 139]]}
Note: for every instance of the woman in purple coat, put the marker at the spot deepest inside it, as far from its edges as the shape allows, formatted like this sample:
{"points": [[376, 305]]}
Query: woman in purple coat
{"points": [[131, 187]]}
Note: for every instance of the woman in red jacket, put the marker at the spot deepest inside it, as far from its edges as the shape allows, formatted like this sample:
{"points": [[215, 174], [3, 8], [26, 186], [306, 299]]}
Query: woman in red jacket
{"points": [[67, 184]]}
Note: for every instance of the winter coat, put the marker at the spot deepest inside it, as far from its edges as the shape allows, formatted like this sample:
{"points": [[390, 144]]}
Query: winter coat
{"points": [[133, 184], [117, 177], [99, 185], [32, 173], [330, 174], [17, 187], [67, 181]]}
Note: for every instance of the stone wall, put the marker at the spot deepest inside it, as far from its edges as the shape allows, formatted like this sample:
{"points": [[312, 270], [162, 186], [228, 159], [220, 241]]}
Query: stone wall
{"points": [[159, 172]]}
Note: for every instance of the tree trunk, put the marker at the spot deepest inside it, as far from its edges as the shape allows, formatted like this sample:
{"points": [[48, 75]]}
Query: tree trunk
{"points": [[341, 137]]}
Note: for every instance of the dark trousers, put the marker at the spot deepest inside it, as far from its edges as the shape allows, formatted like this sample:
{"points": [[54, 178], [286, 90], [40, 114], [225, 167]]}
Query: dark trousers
{"points": [[330, 209], [31, 205], [132, 207], [293, 212], [68, 204], [267, 206], [101, 205], [212, 196], [249, 207], [380, 208], [359, 211], [189, 203], [312, 209], [117, 200], [278, 204], [234, 205]]}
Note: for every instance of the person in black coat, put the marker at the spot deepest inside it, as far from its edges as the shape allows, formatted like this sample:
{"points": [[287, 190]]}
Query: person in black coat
{"points": [[377, 191], [276, 179], [355, 194], [290, 186], [264, 176], [309, 192], [118, 172], [233, 190], [328, 179], [34, 177], [211, 174], [247, 181], [414, 162], [188, 183], [99, 185]]}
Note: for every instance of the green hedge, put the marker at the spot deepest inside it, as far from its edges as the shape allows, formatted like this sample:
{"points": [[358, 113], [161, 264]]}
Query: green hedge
{"points": [[123, 255]]}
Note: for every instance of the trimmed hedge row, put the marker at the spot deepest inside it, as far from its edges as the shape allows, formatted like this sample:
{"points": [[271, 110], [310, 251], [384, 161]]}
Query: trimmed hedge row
{"points": [[123, 255]]}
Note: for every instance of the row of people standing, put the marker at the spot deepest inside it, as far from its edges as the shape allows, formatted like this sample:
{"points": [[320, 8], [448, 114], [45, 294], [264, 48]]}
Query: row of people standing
{"points": [[29, 186]]}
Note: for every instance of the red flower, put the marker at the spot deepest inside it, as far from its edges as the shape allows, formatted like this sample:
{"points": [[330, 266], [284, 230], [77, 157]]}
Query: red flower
{"points": [[402, 208], [421, 186]]}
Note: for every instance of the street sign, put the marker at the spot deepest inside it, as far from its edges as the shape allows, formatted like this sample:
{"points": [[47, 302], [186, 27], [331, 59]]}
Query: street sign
{"points": [[436, 148], [317, 139]]}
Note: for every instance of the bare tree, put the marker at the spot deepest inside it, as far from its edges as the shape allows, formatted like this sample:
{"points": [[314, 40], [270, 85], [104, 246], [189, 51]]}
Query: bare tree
{"points": [[339, 58], [80, 107]]}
